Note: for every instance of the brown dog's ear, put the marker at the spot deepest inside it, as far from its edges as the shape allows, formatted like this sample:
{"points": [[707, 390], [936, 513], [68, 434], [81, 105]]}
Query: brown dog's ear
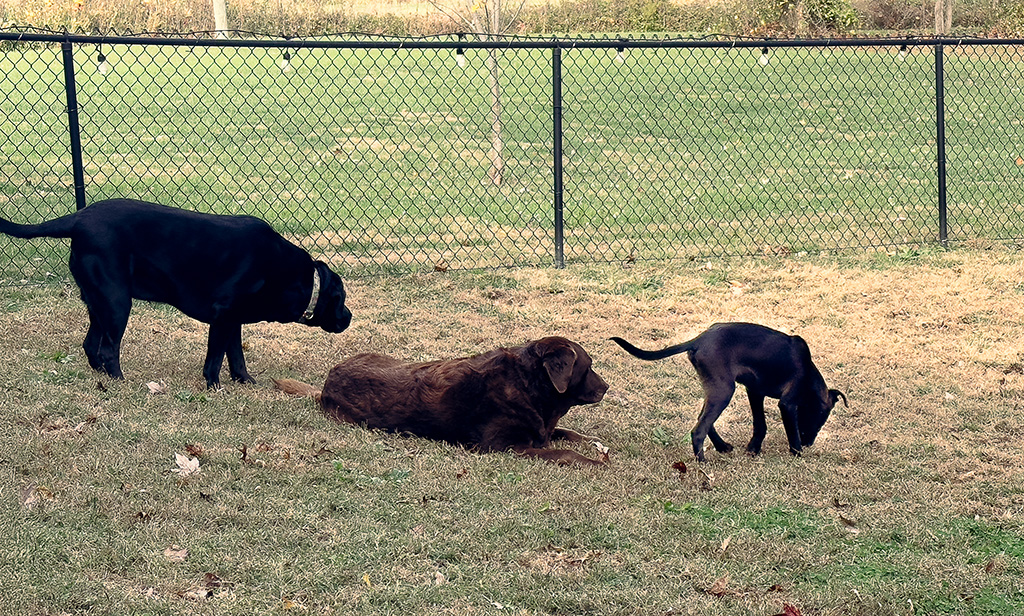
{"points": [[558, 360]]}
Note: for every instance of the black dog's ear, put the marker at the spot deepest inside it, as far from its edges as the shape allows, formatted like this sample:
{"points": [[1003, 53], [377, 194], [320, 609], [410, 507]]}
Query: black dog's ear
{"points": [[558, 360], [834, 395]]}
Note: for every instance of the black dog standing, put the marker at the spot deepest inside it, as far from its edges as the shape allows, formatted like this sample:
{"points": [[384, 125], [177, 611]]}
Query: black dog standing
{"points": [[221, 270], [769, 364]]}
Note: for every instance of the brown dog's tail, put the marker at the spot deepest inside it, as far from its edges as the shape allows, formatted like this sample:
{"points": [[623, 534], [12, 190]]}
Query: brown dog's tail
{"points": [[297, 388]]}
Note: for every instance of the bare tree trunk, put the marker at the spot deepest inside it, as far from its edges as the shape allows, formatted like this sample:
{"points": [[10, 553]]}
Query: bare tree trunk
{"points": [[485, 18], [798, 17], [220, 17], [943, 16], [496, 155]]}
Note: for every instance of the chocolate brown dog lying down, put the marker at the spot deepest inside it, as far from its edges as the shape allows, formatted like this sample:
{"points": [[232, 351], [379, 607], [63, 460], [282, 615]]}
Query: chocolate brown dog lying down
{"points": [[769, 364], [506, 399]]}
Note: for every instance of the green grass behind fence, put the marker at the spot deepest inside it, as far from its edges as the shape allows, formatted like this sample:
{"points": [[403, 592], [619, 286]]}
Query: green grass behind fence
{"points": [[382, 157]]}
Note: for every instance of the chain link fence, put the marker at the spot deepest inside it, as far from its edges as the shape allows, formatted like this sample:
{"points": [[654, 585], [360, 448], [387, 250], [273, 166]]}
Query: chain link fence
{"points": [[397, 155]]}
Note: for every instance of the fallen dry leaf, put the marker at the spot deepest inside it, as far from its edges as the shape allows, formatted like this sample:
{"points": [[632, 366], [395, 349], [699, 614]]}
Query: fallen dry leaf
{"points": [[176, 554], [186, 466], [721, 586], [212, 580], [291, 604], [789, 610], [156, 388], [849, 523], [33, 496]]}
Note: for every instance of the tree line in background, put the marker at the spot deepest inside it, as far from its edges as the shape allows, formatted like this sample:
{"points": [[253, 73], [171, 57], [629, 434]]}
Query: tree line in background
{"points": [[529, 17]]}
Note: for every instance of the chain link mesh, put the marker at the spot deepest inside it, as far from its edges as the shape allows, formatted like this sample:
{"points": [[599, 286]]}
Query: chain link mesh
{"points": [[395, 158]]}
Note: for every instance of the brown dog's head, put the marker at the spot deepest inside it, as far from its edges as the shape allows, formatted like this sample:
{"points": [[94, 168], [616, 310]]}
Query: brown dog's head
{"points": [[569, 369]]}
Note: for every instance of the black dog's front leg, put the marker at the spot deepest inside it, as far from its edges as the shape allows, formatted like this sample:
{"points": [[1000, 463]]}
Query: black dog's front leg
{"points": [[791, 423], [236, 360], [225, 338]]}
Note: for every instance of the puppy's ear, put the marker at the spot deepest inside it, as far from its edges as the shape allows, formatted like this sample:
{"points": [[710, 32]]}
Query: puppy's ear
{"points": [[558, 360], [833, 397]]}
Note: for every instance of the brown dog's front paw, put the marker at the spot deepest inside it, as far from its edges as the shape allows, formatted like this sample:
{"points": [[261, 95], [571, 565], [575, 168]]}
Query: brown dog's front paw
{"points": [[561, 457], [565, 434]]}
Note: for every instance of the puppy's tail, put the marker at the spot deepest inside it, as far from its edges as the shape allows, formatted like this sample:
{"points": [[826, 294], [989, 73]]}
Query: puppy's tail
{"points": [[652, 355], [297, 388]]}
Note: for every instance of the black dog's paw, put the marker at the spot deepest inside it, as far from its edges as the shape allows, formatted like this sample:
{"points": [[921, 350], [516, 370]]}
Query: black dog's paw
{"points": [[753, 451], [795, 452]]}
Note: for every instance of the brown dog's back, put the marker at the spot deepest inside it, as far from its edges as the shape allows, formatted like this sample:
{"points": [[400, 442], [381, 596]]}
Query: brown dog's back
{"points": [[505, 399]]}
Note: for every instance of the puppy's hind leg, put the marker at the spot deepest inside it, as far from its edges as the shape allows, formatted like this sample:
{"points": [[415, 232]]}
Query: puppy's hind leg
{"points": [[760, 427], [716, 398], [720, 445]]}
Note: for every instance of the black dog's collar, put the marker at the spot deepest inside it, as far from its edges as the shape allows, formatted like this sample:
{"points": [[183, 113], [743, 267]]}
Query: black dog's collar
{"points": [[308, 314]]}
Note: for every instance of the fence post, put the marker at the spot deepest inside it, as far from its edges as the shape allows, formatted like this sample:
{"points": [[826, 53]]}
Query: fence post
{"points": [[556, 98], [76, 138], [940, 141]]}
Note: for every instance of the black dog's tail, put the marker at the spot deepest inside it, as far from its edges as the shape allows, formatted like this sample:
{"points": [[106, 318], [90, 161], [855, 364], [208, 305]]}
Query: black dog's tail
{"points": [[58, 227], [652, 355]]}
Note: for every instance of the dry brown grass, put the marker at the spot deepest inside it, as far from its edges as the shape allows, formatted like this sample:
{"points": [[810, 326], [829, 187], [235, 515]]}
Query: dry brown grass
{"points": [[909, 503]]}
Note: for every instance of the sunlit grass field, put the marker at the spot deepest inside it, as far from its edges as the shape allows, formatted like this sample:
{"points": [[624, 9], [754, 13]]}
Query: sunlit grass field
{"points": [[378, 159]]}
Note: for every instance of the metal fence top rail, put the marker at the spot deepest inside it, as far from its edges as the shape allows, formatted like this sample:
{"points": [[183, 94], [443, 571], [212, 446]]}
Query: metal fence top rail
{"points": [[352, 40]]}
